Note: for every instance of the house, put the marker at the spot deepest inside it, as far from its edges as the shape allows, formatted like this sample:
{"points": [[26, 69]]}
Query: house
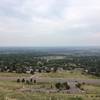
{"points": [[60, 69], [79, 69]]}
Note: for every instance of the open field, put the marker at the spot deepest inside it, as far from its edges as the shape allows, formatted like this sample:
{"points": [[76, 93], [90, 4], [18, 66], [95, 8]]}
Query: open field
{"points": [[11, 90], [6, 74], [67, 74], [10, 94], [95, 89]]}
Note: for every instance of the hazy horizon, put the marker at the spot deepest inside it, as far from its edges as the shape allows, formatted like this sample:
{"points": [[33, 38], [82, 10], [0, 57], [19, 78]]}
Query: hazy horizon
{"points": [[85, 46], [49, 23]]}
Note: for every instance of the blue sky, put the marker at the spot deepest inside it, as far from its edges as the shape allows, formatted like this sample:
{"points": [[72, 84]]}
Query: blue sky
{"points": [[49, 22]]}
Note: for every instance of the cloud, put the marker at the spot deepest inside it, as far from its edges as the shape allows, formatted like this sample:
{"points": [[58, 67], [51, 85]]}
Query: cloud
{"points": [[49, 22]]}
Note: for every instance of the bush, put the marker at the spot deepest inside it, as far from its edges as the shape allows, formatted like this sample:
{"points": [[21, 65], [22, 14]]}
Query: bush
{"points": [[66, 86], [62, 86], [58, 85], [75, 98], [78, 85], [83, 83]]}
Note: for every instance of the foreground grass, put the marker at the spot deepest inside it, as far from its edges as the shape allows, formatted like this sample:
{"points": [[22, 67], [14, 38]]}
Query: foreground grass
{"points": [[94, 89], [45, 96], [9, 90]]}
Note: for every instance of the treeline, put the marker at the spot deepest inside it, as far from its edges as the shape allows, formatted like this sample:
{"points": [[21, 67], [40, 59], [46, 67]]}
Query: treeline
{"points": [[24, 62]]}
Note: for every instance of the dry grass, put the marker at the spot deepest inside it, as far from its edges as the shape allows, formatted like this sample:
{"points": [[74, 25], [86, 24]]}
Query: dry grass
{"points": [[67, 74]]}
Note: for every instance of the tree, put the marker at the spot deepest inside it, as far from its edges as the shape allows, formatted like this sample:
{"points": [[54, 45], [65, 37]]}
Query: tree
{"points": [[23, 80], [27, 82], [55, 69], [51, 86], [40, 70], [32, 72], [34, 81], [18, 80], [78, 85]]}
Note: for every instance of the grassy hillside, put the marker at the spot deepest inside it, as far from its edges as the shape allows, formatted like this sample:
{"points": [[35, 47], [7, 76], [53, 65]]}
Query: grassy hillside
{"points": [[10, 89]]}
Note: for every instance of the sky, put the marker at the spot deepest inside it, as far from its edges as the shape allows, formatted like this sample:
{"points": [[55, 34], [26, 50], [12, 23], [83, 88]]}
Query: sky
{"points": [[49, 23]]}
